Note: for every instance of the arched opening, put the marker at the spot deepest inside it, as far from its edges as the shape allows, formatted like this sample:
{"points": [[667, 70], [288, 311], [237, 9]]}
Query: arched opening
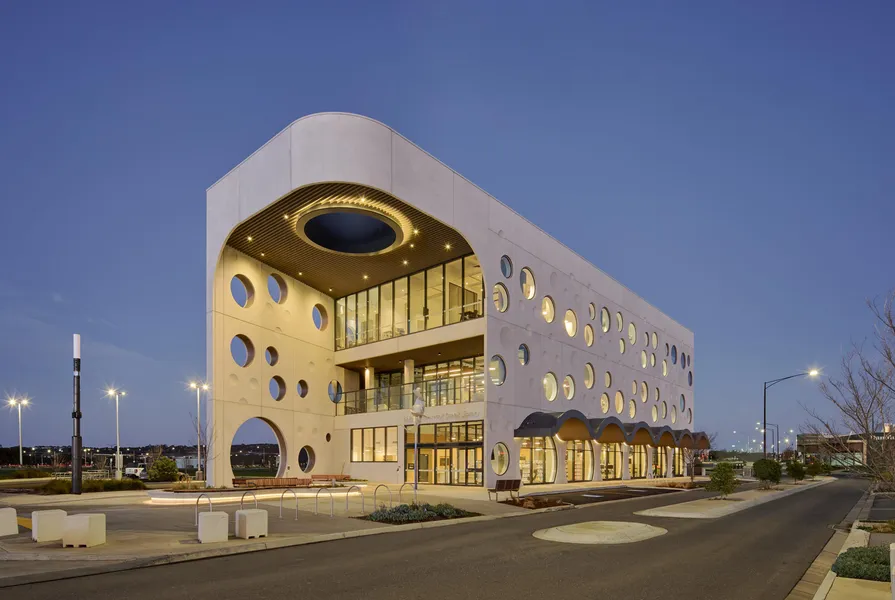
{"points": [[258, 450]]}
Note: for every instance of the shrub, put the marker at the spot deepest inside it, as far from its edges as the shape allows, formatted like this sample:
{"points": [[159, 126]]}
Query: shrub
{"points": [[416, 513], [30, 474], [767, 471], [796, 470], [63, 486], [163, 469], [813, 469], [826, 469], [870, 563], [723, 479]]}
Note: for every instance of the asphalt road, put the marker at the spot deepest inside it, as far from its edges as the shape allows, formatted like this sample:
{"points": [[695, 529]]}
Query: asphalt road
{"points": [[757, 553]]}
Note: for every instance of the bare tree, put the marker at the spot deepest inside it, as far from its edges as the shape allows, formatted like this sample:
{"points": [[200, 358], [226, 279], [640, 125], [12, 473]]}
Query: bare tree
{"points": [[205, 434], [859, 433], [692, 456]]}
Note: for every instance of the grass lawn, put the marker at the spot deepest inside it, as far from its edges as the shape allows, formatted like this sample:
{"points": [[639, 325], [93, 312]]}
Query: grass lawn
{"points": [[26, 473]]}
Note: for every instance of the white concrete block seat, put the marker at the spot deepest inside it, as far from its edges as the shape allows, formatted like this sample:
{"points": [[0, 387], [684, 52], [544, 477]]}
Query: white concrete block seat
{"points": [[251, 523], [8, 523], [84, 531], [213, 527], [48, 525]]}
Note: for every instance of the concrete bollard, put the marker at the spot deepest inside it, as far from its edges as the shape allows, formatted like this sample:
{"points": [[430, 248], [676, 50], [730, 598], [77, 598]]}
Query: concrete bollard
{"points": [[8, 523], [47, 525], [84, 531], [251, 523], [213, 527]]}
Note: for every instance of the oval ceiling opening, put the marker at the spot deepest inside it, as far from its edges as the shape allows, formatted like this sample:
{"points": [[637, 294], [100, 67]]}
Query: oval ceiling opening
{"points": [[350, 232]]}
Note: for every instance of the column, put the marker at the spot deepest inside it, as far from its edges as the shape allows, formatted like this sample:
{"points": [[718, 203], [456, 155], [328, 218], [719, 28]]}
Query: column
{"points": [[407, 388], [650, 451], [626, 468], [561, 458], [669, 462], [369, 378], [598, 462]]}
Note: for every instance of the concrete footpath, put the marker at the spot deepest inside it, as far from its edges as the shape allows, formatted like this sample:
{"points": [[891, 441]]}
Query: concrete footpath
{"points": [[712, 508]]}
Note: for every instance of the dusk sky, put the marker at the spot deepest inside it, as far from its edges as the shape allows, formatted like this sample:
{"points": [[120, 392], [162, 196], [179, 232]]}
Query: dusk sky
{"points": [[731, 162]]}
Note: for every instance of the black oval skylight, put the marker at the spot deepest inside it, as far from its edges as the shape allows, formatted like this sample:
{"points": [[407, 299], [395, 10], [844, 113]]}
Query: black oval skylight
{"points": [[350, 232]]}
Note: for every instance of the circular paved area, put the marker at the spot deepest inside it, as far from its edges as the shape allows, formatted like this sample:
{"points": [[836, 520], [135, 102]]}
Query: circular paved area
{"points": [[600, 532]]}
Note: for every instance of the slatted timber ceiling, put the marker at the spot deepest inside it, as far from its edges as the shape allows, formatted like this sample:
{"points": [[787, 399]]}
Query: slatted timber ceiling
{"points": [[275, 242]]}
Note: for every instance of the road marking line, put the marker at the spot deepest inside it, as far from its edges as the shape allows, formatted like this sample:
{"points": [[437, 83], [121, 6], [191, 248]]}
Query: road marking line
{"points": [[592, 495]]}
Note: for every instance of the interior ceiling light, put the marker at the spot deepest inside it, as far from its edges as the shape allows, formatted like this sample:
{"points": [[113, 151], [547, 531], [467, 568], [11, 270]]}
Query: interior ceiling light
{"points": [[249, 238]]}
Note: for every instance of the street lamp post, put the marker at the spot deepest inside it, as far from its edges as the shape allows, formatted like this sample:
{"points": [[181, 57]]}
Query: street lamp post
{"points": [[116, 394], [199, 387], [776, 440], [417, 410], [773, 382], [19, 403]]}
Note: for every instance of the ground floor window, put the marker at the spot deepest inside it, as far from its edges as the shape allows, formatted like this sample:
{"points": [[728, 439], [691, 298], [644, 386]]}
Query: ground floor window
{"points": [[637, 461], [449, 453], [611, 461], [579, 461], [678, 462], [374, 444], [660, 458], [537, 460]]}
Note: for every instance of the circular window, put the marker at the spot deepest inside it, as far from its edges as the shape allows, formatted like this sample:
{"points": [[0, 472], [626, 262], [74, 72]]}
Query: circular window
{"points": [[604, 319], [674, 355], [592, 310], [688, 360], [242, 291], [652, 359], [571, 323], [689, 416], [276, 287], [690, 378], [500, 456], [632, 409], [318, 313], [643, 358], [527, 281], [644, 391], [673, 415], [604, 403], [242, 350], [683, 362], [619, 402], [588, 375], [588, 335], [657, 394], [619, 322], [302, 388], [645, 339], [607, 379], [506, 267], [498, 370], [523, 354], [621, 346], [634, 387], [666, 349], [683, 403], [271, 356], [655, 414], [547, 309], [306, 459], [632, 333], [550, 386], [568, 387], [664, 368], [655, 340], [349, 230], [501, 298], [664, 410], [335, 391], [328, 437], [277, 388]]}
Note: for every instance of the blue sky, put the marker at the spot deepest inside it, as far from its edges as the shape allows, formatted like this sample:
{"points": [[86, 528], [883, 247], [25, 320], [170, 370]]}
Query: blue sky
{"points": [[731, 162]]}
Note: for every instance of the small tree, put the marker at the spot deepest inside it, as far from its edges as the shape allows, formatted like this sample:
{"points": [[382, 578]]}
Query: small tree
{"points": [[723, 479], [768, 472], [163, 469], [813, 469], [796, 470]]}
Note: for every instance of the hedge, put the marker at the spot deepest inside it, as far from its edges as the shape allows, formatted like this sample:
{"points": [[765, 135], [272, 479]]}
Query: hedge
{"points": [[870, 563]]}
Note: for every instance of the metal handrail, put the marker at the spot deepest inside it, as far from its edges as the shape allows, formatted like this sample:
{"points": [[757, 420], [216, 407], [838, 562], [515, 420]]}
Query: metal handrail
{"points": [[442, 391], [331, 505], [401, 489], [294, 495], [243, 498], [210, 505], [348, 493], [388, 489]]}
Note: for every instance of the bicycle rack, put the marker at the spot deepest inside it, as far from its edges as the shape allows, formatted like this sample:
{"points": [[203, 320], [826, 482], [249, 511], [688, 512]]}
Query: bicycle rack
{"points": [[359, 491], [375, 506], [243, 498], [210, 506], [294, 495], [317, 497], [401, 489]]}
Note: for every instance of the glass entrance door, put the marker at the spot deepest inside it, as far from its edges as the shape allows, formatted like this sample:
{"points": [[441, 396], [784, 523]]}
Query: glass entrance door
{"points": [[443, 466]]}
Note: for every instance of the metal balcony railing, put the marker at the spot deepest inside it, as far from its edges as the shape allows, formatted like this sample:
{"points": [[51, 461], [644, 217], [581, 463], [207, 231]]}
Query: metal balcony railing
{"points": [[435, 392]]}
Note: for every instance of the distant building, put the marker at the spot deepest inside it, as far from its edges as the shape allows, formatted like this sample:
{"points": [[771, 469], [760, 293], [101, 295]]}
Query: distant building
{"points": [[836, 451]]}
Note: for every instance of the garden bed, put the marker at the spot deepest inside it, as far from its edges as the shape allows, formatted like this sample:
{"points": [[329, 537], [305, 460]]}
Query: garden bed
{"points": [[63, 486], [417, 513], [871, 563], [534, 502]]}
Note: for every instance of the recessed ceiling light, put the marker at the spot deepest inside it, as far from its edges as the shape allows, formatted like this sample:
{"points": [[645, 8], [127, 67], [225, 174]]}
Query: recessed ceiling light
{"points": [[365, 277], [411, 245], [262, 254], [300, 273], [447, 246], [249, 238], [286, 217], [416, 232], [330, 289], [405, 262]]}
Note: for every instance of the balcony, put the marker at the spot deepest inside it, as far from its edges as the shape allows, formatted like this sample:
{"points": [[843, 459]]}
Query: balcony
{"points": [[435, 392]]}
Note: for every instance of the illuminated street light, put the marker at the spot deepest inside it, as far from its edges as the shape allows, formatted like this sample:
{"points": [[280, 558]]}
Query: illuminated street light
{"points": [[199, 387], [19, 403], [116, 393], [773, 382]]}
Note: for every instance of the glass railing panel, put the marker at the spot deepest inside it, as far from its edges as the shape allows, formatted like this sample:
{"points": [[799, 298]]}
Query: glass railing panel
{"points": [[437, 392]]}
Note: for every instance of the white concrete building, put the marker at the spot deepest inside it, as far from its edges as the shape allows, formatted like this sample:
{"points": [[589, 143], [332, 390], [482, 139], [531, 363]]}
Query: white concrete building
{"points": [[347, 268]]}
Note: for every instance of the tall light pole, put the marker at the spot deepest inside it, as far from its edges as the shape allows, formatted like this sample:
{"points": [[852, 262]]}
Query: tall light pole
{"points": [[116, 394], [776, 441], [19, 403], [773, 382], [76, 418], [417, 410], [199, 387]]}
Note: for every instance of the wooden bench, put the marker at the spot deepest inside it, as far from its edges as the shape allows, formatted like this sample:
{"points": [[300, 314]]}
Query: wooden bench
{"points": [[270, 482], [333, 478], [505, 485]]}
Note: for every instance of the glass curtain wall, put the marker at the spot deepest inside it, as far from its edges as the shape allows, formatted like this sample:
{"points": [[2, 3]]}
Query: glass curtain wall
{"points": [[537, 460], [579, 461], [450, 453], [659, 460], [678, 462], [637, 461], [611, 461], [441, 295]]}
